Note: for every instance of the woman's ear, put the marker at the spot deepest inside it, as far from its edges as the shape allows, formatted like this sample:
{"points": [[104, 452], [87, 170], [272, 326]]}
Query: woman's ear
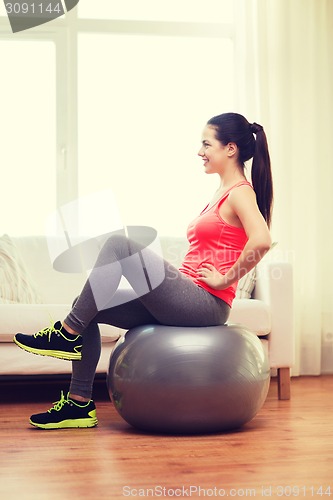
{"points": [[232, 149]]}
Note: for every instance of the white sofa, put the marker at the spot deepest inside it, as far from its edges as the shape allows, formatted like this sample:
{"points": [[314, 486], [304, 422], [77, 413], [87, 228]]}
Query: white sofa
{"points": [[269, 311]]}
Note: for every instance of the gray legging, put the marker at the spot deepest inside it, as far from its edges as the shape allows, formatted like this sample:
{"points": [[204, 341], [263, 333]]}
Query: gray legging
{"points": [[173, 299]]}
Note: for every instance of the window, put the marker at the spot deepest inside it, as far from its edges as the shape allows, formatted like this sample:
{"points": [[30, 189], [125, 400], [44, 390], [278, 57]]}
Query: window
{"points": [[143, 102], [113, 96], [28, 135], [159, 10]]}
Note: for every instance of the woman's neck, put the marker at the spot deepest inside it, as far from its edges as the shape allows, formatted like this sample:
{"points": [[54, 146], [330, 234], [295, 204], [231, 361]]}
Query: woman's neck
{"points": [[227, 181]]}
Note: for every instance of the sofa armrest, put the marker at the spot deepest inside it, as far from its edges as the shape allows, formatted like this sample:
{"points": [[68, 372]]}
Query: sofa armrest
{"points": [[274, 286]]}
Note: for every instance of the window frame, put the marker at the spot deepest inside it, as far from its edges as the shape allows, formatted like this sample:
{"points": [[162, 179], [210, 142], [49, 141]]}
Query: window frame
{"points": [[64, 32]]}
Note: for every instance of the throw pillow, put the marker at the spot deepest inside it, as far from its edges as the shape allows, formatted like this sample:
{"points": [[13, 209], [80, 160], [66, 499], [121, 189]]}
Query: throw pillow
{"points": [[15, 283], [246, 285]]}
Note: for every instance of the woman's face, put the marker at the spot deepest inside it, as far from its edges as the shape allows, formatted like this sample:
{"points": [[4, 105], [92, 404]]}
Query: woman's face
{"points": [[212, 151]]}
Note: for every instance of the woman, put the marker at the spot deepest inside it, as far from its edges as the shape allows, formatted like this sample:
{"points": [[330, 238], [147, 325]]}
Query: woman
{"points": [[228, 238]]}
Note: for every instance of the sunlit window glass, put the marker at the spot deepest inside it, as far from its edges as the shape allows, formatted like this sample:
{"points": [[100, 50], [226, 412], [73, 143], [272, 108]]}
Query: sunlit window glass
{"points": [[28, 135]]}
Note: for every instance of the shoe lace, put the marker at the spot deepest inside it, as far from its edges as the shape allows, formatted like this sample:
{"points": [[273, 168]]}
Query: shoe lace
{"points": [[47, 331], [57, 405]]}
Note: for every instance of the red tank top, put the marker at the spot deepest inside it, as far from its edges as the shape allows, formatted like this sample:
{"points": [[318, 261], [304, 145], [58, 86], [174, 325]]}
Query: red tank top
{"points": [[214, 241]]}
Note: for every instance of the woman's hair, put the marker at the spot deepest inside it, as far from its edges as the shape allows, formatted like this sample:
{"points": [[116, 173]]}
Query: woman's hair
{"points": [[233, 127]]}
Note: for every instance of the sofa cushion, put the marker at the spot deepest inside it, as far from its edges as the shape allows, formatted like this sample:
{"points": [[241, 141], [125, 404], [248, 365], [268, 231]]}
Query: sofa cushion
{"points": [[15, 362], [53, 286], [29, 318], [246, 285], [16, 284], [255, 314]]}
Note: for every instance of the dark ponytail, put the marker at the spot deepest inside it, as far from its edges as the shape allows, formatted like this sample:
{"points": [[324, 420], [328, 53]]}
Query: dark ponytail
{"points": [[261, 174], [233, 127]]}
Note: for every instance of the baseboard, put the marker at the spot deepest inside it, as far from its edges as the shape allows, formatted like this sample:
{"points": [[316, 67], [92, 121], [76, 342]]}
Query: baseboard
{"points": [[38, 388]]}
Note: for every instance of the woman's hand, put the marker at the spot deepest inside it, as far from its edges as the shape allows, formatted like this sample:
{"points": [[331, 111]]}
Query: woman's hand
{"points": [[208, 274]]}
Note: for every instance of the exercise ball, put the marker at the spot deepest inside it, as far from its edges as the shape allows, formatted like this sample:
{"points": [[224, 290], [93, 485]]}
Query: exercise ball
{"points": [[170, 379]]}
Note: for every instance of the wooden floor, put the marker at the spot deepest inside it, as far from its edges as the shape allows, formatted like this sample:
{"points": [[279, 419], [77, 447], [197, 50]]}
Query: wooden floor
{"points": [[286, 451]]}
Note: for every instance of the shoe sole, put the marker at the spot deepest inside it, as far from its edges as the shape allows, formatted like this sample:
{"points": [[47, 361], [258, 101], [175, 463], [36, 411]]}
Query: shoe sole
{"points": [[68, 356], [82, 423]]}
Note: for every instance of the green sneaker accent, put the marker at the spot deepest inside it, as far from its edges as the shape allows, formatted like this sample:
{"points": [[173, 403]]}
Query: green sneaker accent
{"points": [[67, 356], [51, 341], [66, 414]]}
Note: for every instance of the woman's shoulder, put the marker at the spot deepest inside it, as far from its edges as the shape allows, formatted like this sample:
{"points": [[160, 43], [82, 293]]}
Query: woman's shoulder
{"points": [[242, 186], [241, 183], [242, 193], [240, 189]]}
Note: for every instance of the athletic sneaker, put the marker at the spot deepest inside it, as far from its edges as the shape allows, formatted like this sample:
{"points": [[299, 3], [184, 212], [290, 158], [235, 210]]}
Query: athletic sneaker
{"points": [[54, 341], [66, 414]]}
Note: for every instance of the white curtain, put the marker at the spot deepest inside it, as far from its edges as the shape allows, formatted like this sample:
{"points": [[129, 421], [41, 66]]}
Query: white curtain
{"points": [[285, 75]]}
